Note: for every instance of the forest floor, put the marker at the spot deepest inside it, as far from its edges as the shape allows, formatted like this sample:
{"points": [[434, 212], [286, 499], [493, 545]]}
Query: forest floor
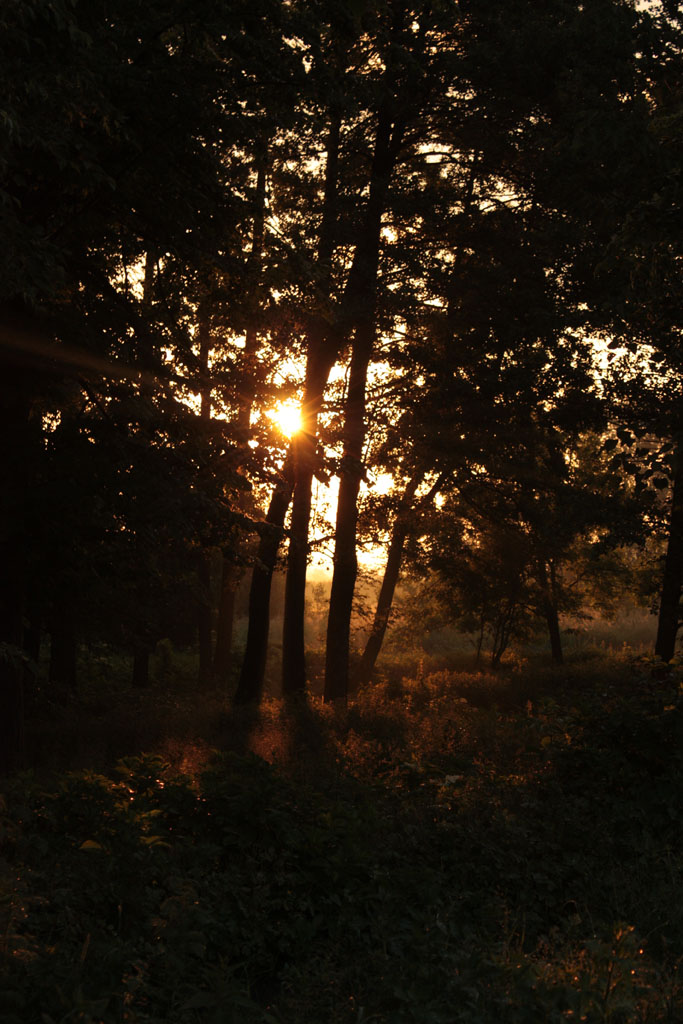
{"points": [[454, 847]]}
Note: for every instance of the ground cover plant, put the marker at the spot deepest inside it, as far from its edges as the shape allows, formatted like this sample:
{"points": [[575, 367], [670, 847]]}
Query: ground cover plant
{"points": [[455, 847]]}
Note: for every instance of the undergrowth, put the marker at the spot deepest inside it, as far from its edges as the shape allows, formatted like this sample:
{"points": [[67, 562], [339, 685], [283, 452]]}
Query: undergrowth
{"points": [[450, 848]]}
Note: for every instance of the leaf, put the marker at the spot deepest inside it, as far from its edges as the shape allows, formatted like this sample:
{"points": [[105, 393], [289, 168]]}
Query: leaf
{"points": [[155, 841]]}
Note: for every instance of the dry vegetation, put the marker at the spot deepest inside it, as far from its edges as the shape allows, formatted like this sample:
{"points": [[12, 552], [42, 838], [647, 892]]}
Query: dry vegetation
{"points": [[451, 847]]}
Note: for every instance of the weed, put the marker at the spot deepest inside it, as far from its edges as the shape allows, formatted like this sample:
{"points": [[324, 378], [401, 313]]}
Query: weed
{"points": [[452, 848]]}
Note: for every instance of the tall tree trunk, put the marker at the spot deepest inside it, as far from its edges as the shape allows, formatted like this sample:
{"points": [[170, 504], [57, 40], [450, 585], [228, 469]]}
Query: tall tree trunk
{"points": [[251, 339], [230, 574], [502, 631], [17, 448], [11, 664], [222, 659], [204, 604], [553, 622], [669, 603], [204, 616], [293, 648], [303, 449], [345, 557], [321, 356], [141, 666], [63, 655], [391, 574], [362, 289], [552, 618], [252, 673], [32, 636]]}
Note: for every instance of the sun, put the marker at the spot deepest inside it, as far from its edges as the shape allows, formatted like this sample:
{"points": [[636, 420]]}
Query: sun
{"points": [[286, 416]]}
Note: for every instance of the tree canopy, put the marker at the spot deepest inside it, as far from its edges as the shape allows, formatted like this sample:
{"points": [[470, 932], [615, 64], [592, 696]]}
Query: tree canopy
{"points": [[421, 222]]}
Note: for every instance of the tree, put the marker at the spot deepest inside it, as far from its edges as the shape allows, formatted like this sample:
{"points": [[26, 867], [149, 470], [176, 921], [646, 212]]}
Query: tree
{"points": [[94, 181], [616, 176], [403, 521], [324, 41], [512, 549], [485, 134], [643, 267]]}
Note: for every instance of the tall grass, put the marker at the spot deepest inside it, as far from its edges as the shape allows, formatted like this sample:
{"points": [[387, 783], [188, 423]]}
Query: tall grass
{"points": [[454, 847]]}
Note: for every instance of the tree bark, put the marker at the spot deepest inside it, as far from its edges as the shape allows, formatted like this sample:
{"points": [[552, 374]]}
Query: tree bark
{"points": [[222, 659], [553, 621], [11, 664], [32, 637], [252, 673], [293, 648], [362, 289], [669, 603], [390, 579], [17, 447], [230, 575], [251, 339], [63, 655], [204, 616], [321, 356], [141, 667], [204, 604], [345, 557], [303, 450], [550, 612]]}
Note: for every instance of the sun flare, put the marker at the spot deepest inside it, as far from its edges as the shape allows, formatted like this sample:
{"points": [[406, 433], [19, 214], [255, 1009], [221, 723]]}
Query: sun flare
{"points": [[287, 417]]}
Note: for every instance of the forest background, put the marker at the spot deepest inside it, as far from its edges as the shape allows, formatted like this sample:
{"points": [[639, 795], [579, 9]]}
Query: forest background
{"points": [[363, 321], [448, 234]]}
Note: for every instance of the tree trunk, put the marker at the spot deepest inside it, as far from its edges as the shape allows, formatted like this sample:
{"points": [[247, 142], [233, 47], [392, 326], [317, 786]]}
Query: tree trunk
{"points": [[392, 572], [321, 356], [11, 663], [204, 616], [230, 576], [669, 604], [250, 685], [251, 339], [293, 648], [480, 641], [204, 607], [32, 638], [303, 449], [552, 618], [389, 581], [553, 621], [222, 659], [345, 558], [63, 656], [362, 291], [17, 447], [502, 631], [141, 666]]}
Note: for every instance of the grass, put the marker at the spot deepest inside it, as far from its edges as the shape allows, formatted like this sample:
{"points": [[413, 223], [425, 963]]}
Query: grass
{"points": [[452, 847]]}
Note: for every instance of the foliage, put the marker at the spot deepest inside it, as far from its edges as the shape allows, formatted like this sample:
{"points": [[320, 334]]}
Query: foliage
{"points": [[431, 855], [540, 530]]}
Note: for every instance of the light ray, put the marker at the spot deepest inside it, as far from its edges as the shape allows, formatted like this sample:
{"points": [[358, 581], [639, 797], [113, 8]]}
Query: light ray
{"points": [[287, 417]]}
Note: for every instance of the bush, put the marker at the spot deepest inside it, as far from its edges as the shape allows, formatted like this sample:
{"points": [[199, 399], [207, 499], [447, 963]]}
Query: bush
{"points": [[423, 856]]}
